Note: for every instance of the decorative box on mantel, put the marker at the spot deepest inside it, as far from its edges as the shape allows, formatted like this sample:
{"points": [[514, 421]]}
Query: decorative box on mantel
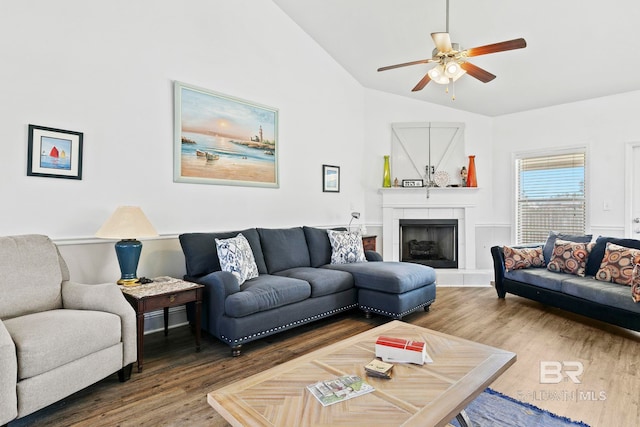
{"points": [[442, 203]]}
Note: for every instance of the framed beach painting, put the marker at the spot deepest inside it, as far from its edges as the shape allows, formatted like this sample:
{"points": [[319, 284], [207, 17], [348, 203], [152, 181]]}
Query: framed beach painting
{"points": [[330, 179], [220, 139], [54, 153]]}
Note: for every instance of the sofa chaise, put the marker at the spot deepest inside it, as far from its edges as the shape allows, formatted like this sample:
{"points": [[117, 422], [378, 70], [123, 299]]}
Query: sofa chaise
{"points": [[296, 283], [592, 292], [56, 336]]}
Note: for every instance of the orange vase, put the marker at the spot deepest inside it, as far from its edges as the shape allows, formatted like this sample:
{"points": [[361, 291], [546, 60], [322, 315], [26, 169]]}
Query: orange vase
{"points": [[472, 180]]}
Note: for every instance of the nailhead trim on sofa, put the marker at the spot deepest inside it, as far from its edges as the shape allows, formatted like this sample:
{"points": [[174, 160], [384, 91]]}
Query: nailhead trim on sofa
{"points": [[288, 325], [395, 315]]}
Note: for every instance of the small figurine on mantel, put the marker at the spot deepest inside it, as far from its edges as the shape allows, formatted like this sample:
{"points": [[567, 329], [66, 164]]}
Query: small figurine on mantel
{"points": [[395, 182], [463, 176]]}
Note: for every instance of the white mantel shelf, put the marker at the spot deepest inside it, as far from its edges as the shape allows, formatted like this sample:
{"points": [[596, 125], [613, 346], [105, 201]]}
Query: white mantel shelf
{"points": [[416, 197], [415, 189]]}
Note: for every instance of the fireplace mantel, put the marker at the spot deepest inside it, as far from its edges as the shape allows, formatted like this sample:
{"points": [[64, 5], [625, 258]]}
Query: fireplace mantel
{"points": [[432, 203]]}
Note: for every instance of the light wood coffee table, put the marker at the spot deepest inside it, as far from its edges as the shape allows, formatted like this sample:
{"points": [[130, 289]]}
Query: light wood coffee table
{"points": [[428, 395]]}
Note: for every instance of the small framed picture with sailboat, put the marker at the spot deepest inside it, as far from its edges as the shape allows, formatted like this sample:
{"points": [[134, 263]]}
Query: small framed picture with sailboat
{"points": [[54, 153]]}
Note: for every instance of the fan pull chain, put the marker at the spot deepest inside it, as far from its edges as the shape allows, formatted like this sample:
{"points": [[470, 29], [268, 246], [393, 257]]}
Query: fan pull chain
{"points": [[453, 90]]}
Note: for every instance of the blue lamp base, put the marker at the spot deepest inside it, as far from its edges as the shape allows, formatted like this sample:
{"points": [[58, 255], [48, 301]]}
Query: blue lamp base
{"points": [[128, 253]]}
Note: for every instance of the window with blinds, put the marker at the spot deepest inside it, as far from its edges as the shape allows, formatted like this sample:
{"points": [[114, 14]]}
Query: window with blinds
{"points": [[550, 196]]}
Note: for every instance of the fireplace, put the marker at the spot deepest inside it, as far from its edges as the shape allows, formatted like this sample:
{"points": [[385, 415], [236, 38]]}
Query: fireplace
{"points": [[432, 242]]}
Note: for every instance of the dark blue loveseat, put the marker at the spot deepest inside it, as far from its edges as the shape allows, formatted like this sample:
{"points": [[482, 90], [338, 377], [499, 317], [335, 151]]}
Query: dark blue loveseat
{"points": [[605, 301]]}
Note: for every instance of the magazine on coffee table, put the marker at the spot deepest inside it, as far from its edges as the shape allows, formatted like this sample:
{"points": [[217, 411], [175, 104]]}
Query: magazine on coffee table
{"points": [[339, 389]]}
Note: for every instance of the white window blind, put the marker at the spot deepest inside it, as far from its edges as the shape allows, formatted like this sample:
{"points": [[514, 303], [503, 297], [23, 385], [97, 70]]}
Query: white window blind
{"points": [[550, 196]]}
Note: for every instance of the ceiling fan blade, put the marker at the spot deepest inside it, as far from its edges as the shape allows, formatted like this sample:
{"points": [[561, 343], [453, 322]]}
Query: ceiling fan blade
{"points": [[422, 83], [442, 42], [497, 47], [474, 71], [406, 64]]}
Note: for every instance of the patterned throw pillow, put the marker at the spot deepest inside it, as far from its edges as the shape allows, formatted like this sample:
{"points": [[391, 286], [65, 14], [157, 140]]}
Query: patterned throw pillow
{"points": [[237, 258], [517, 258], [346, 247], [569, 257], [635, 287], [617, 264], [547, 249]]}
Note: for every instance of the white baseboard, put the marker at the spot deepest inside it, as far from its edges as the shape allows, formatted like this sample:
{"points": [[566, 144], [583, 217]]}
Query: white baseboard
{"points": [[154, 321], [462, 277]]}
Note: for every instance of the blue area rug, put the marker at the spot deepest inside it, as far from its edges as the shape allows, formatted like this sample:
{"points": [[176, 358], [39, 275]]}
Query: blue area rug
{"points": [[494, 409]]}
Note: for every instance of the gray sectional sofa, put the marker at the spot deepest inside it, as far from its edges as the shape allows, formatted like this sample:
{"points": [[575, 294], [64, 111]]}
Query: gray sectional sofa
{"points": [[297, 284], [605, 301]]}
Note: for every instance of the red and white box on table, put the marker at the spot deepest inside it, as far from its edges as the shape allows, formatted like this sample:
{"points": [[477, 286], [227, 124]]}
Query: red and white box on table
{"points": [[400, 350]]}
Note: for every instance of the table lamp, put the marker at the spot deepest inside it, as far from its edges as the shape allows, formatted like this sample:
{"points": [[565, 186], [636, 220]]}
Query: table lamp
{"points": [[127, 223], [354, 215]]}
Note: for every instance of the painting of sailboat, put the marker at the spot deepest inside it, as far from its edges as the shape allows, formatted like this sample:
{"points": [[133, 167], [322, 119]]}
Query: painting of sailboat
{"points": [[225, 140], [54, 153]]}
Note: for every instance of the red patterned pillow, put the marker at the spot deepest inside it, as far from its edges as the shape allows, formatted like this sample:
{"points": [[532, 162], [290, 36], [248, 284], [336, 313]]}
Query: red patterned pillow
{"points": [[569, 257], [617, 264], [635, 287], [517, 258]]}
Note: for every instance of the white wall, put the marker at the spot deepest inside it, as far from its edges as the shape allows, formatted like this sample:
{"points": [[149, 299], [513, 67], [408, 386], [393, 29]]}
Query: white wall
{"points": [[107, 69], [604, 125]]}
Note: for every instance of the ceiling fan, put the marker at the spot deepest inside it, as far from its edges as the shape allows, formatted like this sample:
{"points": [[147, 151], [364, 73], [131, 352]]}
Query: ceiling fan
{"points": [[452, 62]]}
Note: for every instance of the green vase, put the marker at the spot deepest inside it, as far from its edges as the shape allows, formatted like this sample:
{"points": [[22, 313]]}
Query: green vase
{"points": [[386, 176]]}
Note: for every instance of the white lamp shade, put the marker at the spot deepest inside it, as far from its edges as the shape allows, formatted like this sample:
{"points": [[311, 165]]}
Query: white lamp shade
{"points": [[459, 74], [437, 75], [127, 222], [453, 70]]}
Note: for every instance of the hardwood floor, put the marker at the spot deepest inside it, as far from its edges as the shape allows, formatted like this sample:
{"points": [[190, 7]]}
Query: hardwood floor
{"points": [[173, 386]]}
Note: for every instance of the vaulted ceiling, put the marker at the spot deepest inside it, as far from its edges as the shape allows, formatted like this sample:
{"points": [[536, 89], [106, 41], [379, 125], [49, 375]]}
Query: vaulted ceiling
{"points": [[576, 49]]}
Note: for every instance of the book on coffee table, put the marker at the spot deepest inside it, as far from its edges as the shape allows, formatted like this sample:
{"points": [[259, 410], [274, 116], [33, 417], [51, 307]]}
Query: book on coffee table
{"points": [[339, 389], [378, 368], [400, 350]]}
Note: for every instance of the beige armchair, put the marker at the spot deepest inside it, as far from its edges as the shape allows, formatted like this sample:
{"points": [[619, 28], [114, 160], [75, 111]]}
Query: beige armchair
{"points": [[56, 337]]}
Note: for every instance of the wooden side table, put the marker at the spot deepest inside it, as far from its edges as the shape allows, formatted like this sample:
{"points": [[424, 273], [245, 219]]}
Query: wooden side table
{"points": [[369, 243], [164, 292]]}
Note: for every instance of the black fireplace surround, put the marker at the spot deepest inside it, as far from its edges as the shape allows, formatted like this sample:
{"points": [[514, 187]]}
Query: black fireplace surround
{"points": [[432, 242]]}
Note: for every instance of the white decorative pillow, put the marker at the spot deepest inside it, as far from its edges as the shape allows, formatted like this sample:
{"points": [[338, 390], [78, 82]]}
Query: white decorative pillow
{"points": [[236, 257], [346, 247]]}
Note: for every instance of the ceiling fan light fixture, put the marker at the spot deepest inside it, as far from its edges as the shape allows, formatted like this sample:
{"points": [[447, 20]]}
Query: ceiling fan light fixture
{"points": [[437, 75], [458, 75], [451, 69]]}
